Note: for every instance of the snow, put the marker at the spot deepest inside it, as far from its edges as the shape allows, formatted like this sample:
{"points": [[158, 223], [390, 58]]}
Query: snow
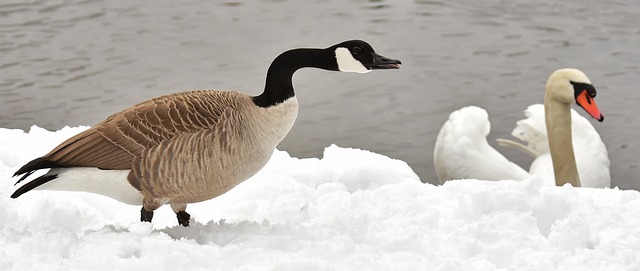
{"points": [[351, 210]]}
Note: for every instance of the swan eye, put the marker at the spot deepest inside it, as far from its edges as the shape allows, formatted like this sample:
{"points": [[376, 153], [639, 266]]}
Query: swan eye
{"points": [[356, 50], [580, 87]]}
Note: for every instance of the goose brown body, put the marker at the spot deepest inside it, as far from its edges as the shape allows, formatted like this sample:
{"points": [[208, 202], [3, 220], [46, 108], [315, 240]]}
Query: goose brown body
{"points": [[184, 147]]}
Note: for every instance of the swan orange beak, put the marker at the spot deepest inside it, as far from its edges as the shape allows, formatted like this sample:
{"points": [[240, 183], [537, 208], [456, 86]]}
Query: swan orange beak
{"points": [[588, 103]]}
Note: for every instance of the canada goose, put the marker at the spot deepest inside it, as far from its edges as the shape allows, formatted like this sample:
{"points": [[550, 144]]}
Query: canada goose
{"points": [[190, 146], [462, 151]]}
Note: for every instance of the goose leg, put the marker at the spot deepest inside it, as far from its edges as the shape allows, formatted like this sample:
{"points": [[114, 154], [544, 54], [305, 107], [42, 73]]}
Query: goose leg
{"points": [[181, 214], [183, 218], [145, 216], [148, 206]]}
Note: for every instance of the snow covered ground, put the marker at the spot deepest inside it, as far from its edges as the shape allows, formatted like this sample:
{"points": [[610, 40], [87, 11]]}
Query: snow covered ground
{"points": [[350, 210]]}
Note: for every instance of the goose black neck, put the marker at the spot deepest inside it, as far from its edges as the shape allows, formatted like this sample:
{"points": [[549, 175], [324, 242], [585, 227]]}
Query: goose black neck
{"points": [[278, 87]]}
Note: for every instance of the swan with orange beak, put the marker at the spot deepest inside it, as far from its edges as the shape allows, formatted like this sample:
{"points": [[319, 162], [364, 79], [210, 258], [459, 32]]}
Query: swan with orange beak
{"points": [[566, 87]]}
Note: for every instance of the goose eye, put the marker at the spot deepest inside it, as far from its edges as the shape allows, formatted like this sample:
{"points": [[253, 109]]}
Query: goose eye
{"points": [[356, 50]]}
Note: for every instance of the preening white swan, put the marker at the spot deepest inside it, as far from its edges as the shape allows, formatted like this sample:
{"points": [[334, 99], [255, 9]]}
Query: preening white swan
{"points": [[462, 151]]}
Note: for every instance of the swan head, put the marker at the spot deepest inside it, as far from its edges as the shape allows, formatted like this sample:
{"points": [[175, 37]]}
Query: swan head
{"points": [[572, 86], [358, 56]]}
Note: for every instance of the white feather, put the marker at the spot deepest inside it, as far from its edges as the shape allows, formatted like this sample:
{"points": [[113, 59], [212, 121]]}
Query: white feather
{"points": [[346, 62], [462, 151], [110, 183]]}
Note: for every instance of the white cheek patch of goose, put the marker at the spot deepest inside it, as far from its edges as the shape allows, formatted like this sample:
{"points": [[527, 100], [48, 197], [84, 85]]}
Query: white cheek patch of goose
{"points": [[346, 62]]}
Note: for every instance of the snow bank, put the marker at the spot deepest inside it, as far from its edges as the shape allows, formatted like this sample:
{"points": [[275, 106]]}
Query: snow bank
{"points": [[350, 210]]}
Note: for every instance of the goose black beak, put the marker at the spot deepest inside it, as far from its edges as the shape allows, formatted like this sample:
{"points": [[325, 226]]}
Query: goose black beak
{"points": [[383, 63]]}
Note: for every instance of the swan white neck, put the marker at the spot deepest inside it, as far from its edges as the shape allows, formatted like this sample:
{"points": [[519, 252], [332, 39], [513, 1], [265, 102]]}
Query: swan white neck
{"points": [[558, 121]]}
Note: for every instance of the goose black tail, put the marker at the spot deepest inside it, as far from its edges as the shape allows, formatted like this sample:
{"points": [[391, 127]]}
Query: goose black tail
{"points": [[33, 184], [30, 168], [35, 164]]}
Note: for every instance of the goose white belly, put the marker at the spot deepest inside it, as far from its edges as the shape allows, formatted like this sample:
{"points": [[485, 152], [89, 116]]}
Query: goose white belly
{"points": [[110, 183]]}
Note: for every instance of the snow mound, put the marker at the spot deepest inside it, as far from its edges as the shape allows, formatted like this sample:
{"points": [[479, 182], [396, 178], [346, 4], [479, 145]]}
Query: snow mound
{"points": [[352, 209]]}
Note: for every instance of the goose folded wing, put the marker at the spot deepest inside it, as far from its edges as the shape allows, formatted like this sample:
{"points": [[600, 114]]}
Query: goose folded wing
{"points": [[115, 142]]}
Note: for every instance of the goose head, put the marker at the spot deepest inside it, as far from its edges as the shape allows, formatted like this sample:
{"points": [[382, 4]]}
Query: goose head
{"points": [[348, 56], [358, 56], [572, 86]]}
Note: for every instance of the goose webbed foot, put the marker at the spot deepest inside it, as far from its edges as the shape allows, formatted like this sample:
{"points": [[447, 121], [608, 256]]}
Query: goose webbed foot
{"points": [[145, 216], [183, 218], [181, 214]]}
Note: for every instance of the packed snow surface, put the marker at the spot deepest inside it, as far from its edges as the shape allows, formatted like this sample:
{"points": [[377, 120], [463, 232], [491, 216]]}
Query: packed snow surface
{"points": [[351, 210]]}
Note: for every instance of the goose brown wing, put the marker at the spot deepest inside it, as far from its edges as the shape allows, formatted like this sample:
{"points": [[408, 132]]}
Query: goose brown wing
{"points": [[115, 142]]}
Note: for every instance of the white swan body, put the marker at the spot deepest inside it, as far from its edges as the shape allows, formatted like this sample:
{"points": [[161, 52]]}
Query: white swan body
{"points": [[462, 151]]}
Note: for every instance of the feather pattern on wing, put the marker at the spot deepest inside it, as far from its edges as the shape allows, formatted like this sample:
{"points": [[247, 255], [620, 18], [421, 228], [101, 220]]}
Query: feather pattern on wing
{"points": [[113, 143]]}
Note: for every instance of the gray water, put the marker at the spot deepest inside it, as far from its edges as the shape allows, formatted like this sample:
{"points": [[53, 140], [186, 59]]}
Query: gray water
{"points": [[75, 62]]}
